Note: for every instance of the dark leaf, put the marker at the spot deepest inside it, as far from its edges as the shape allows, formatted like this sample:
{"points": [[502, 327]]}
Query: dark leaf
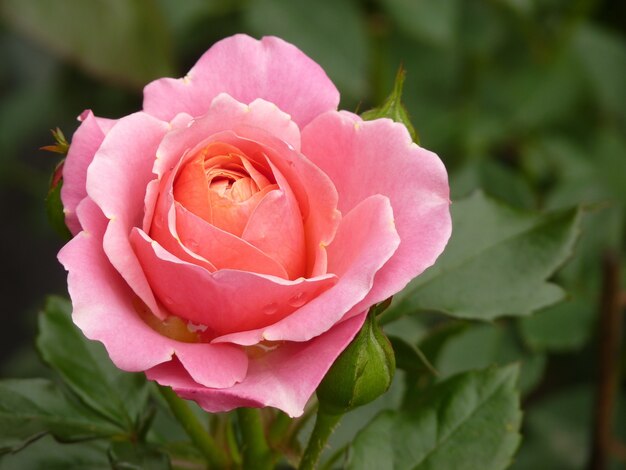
{"points": [[469, 422], [31, 408], [87, 370]]}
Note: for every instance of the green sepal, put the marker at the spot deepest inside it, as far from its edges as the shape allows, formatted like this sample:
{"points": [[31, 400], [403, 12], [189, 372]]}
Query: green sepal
{"points": [[393, 108], [61, 144], [54, 205]]}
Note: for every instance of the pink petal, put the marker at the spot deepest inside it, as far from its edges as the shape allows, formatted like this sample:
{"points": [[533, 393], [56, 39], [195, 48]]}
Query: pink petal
{"points": [[152, 189], [213, 367], [314, 191], [192, 191], [85, 142], [284, 378], [378, 157], [122, 167], [275, 227], [316, 195], [162, 226], [104, 311], [365, 241], [191, 239], [247, 69], [225, 301], [225, 114], [222, 249], [116, 181]]}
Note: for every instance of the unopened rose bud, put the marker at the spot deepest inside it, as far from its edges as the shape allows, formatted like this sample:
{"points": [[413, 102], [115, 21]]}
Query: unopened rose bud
{"points": [[362, 372], [54, 206]]}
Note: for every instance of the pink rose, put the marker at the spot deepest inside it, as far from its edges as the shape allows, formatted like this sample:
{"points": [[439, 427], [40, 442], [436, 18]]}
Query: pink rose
{"points": [[230, 237]]}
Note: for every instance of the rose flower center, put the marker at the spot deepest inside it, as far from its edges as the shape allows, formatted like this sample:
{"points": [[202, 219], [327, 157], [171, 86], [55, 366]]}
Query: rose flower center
{"points": [[222, 185]]}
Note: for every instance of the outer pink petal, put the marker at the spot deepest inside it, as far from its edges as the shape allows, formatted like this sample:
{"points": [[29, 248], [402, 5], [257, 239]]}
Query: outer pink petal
{"points": [[247, 69], [366, 239], [152, 190], [116, 181], [103, 310], [378, 157], [85, 142], [226, 301], [285, 378]]}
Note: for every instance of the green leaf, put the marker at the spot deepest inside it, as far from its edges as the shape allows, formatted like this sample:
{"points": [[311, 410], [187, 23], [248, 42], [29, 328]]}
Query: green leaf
{"points": [[603, 56], [31, 408], [431, 21], [332, 33], [560, 328], [87, 370], [393, 108], [490, 344], [558, 431], [50, 455], [495, 264], [495, 179], [463, 423], [410, 358], [540, 96], [608, 161], [121, 40], [432, 344], [125, 455]]}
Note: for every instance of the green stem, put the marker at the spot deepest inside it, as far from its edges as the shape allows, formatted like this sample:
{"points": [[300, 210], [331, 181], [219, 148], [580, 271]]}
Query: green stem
{"points": [[231, 441], [325, 424], [279, 428], [328, 465], [202, 440], [256, 452], [301, 422]]}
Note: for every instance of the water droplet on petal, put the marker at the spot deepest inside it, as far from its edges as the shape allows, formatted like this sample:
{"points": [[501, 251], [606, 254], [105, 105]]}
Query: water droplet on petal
{"points": [[195, 327], [298, 300], [270, 309], [168, 301]]}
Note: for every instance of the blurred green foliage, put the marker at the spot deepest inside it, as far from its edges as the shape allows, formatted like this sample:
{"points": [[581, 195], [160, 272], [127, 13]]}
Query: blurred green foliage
{"points": [[523, 99]]}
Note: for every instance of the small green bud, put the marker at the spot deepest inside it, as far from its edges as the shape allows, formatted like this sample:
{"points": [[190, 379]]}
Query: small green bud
{"points": [[393, 108], [362, 372]]}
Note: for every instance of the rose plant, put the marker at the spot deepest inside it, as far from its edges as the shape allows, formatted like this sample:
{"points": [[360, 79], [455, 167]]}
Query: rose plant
{"points": [[230, 238]]}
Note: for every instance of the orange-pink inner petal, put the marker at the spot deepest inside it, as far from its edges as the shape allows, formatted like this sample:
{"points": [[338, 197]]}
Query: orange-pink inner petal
{"points": [[222, 186]]}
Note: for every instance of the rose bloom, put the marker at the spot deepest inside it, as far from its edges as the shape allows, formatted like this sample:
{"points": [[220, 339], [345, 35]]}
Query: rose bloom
{"points": [[230, 238]]}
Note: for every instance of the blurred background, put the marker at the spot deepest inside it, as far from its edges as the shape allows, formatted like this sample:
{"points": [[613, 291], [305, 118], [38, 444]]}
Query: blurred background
{"points": [[525, 99]]}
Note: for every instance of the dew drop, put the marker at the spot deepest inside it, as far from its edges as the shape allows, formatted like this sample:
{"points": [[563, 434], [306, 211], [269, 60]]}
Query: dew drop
{"points": [[298, 300], [195, 327], [270, 309], [168, 301], [158, 221]]}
